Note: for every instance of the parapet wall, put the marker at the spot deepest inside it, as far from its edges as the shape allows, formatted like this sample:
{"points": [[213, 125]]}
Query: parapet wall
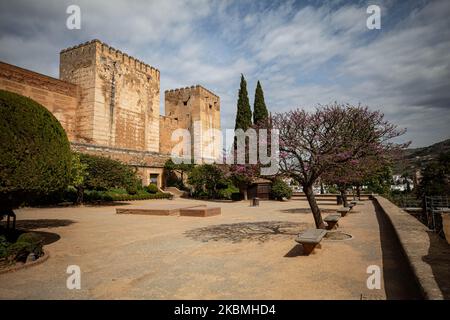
{"points": [[197, 89], [124, 58], [427, 254]]}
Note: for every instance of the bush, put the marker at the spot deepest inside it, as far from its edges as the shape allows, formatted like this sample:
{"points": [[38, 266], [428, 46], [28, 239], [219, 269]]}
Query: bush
{"points": [[35, 156], [228, 192], [26, 243], [280, 190], [151, 188], [105, 173]]}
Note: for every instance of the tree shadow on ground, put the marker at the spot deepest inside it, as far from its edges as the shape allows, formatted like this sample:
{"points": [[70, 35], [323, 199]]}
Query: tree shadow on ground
{"points": [[247, 231], [306, 210], [41, 223], [399, 280], [48, 237]]}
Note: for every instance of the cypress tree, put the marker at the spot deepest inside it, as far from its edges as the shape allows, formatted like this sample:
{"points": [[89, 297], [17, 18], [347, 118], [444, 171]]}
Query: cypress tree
{"points": [[260, 112], [244, 113]]}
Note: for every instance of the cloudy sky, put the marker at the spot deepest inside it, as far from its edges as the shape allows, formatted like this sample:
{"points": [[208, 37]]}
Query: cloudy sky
{"points": [[304, 53]]}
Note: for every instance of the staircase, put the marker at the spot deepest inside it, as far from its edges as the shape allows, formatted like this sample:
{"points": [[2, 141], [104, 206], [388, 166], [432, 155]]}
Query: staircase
{"points": [[177, 193]]}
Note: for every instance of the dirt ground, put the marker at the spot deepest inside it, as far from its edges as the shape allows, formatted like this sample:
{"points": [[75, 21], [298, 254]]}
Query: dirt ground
{"points": [[245, 253]]}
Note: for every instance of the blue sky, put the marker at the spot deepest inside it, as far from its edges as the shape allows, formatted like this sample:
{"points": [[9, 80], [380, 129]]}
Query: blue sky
{"points": [[304, 53]]}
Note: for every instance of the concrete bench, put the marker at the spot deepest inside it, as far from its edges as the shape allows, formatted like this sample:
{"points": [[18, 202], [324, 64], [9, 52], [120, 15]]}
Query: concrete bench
{"points": [[351, 205], [310, 238], [332, 221], [200, 211], [343, 211]]}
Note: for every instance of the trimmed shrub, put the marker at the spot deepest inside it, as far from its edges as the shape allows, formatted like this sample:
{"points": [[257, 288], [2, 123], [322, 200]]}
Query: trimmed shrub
{"points": [[151, 188], [280, 190], [35, 157]]}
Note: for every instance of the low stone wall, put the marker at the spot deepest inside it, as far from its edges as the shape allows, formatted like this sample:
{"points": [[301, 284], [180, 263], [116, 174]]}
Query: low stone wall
{"points": [[427, 254]]}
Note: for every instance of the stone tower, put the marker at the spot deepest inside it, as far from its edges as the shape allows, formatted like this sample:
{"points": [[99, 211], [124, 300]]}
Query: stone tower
{"points": [[119, 104], [196, 109]]}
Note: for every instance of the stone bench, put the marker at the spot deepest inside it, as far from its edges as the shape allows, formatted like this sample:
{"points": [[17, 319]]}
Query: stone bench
{"points": [[343, 211], [200, 211], [332, 221], [310, 238]]}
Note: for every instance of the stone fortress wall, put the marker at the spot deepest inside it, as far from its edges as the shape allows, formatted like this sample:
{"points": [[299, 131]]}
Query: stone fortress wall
{"points": [[108, 103]]}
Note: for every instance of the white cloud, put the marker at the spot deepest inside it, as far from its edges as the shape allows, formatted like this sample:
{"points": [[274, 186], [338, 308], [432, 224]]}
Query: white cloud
{"points": [[303, 55]]}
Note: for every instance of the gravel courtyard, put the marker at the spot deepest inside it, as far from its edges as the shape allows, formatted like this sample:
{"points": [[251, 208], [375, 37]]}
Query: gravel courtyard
{"points": [[246, 253]]}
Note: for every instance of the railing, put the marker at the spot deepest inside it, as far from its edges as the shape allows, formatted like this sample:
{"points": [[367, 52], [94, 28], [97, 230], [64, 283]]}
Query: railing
{"points": [[434, 206]]}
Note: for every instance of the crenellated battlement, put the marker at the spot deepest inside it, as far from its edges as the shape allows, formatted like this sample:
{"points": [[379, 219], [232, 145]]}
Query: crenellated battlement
{"points": [[192, 89], [103, 48]]}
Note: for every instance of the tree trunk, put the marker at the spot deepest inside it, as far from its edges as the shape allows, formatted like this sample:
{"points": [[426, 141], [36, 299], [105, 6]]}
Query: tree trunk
{"points": [[314, 207], [243, 191], [80, 194], [343, 192], [322, 191], [358, 192]]}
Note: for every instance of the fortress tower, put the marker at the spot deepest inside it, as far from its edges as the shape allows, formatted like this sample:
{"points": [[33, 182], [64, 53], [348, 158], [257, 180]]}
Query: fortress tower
{"points": [[119, 105], [196, 109]]}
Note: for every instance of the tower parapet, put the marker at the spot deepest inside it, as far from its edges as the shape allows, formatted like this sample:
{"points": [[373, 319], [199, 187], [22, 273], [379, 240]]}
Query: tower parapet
{"points": [[103, 48]]}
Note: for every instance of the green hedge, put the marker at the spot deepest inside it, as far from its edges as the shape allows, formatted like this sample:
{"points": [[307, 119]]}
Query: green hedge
{"points": [[35, 157], [106, 196]]}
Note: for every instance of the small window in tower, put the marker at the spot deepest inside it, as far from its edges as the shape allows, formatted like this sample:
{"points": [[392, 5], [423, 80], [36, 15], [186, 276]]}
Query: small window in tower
{"points": [[210, 106], [185, 103]]}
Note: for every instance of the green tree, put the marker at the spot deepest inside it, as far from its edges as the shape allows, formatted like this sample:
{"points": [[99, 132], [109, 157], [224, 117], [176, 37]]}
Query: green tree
{"points": [[180, 168], [280, 189], [435, 179], [244, 113], [207, 179], [260, 113], [35, 157], [105, 173], [78, 175]]}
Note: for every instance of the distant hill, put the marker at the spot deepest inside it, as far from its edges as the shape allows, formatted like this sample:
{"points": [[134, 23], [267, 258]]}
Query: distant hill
{"points": [[416, 158]]}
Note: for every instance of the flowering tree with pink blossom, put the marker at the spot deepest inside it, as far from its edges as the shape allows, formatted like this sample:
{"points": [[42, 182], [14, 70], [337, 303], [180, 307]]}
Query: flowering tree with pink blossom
{"points": [[242, 176], [313, 143], [356, 172]]}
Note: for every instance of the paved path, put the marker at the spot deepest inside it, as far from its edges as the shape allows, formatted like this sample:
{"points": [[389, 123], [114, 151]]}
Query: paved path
{"points": [[246, 253]]}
